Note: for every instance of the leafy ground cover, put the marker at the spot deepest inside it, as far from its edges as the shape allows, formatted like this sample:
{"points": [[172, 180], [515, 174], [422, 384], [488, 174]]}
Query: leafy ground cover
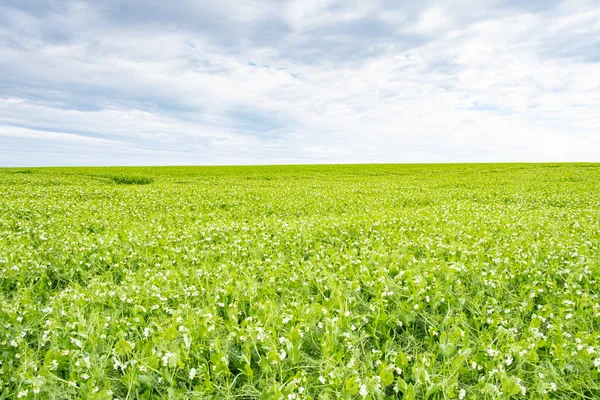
{"points": [[301, 282]]}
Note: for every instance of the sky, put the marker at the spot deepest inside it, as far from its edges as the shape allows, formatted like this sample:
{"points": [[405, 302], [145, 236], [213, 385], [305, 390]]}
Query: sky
{"points": [[154, 82]]}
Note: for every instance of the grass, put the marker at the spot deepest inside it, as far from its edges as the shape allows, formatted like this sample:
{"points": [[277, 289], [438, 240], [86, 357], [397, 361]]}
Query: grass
{"points": [[130, 179], [299, 282]]}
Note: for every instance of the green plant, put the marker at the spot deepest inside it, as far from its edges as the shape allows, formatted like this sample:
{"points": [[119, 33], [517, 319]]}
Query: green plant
{"points": [[355, 281]]}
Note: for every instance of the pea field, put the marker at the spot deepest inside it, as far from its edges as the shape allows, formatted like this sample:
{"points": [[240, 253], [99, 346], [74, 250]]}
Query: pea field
{"points": [[457, 281]]}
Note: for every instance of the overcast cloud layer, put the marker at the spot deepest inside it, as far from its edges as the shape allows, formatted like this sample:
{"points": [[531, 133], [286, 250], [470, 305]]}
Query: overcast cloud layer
{"points": [[152, 82]]}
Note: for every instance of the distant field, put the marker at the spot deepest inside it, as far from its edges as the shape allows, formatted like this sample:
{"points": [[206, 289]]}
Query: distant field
{"points": [[301, 282]]}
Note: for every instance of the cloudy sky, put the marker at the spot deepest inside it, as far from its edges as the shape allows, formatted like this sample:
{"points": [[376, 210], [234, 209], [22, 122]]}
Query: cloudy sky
{"points": [[150, 82]]}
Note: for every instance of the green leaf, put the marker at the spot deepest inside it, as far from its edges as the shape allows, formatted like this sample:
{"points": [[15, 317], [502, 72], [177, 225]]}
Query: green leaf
{"points": [[401, 360], [352, 385], [122, 347], [387, 376]]}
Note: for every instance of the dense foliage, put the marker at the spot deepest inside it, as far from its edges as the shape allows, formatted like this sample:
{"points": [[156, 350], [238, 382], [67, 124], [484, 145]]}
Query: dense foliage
{"points": [[300, 282]]}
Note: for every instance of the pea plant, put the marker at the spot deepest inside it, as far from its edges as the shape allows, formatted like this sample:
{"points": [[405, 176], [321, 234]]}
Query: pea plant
{"points": [[301, 282]]}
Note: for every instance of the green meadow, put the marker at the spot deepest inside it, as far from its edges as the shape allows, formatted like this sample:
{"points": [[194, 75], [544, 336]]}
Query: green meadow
{"points": [[458, 281]]}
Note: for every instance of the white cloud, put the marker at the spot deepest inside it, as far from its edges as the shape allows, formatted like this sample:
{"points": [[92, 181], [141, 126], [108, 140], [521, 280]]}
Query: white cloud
{"points": [[301, 82], [431, 21]]}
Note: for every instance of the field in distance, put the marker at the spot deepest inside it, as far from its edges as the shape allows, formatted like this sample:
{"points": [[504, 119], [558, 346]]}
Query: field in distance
{"points": [[458, 281]]}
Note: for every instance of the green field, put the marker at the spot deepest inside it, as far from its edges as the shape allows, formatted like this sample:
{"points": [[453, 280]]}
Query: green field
{"points": [[301, 282]]}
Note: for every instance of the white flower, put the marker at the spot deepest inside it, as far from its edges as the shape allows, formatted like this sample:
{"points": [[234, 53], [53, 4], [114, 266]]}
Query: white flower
{"points": [[492, 352], [192, 373], [322, 380], [363, 390], [553, 387], [22, 393], [282, 355], [462, 394], [166, 358]]}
